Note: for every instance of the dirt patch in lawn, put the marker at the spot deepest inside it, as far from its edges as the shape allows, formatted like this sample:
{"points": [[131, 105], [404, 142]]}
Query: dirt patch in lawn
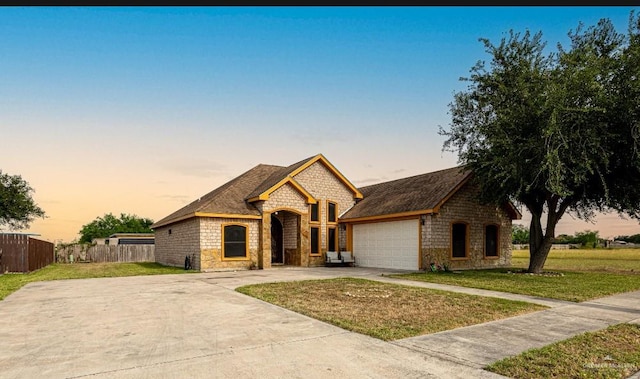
{"points": [[383, 310]]}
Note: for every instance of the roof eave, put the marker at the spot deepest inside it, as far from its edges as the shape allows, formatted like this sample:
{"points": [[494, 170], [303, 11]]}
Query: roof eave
{"points": [[513, 211], [388, 216], [205, 214], [448, 196]]}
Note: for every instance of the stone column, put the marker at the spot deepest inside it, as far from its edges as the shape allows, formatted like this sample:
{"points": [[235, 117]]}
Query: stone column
{"points": [[265, 262], [304, 246]]}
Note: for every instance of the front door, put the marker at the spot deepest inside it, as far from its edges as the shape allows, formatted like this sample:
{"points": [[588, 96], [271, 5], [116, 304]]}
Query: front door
{"points": [[277, 241]]}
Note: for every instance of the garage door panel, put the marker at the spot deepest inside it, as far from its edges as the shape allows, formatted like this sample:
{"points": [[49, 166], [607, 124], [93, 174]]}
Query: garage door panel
{"points": [[392, 244]]}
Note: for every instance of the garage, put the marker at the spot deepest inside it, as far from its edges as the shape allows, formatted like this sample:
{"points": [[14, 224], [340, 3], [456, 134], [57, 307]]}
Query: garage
{"points": [[391, 244]]}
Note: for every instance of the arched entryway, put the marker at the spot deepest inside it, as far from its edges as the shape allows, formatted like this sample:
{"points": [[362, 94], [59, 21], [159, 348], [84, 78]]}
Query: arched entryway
{"points": [[285, 238], [277, 240]]}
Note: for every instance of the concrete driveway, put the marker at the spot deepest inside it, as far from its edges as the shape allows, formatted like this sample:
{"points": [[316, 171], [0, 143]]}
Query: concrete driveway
{"points": [[191, 326]]}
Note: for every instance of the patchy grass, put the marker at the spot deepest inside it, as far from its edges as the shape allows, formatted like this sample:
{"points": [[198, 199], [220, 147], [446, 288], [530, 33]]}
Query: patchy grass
{"points": [[625, 261], [382, 310], [588, 274], [609, 353], [10, 283], [572, 286]]}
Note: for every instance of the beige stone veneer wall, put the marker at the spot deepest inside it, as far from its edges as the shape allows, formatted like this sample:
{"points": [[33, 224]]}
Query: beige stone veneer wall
{"points": [[202, 237], [462, 206], [324, 186], [211, 243], [174, 242], [285, 197]]}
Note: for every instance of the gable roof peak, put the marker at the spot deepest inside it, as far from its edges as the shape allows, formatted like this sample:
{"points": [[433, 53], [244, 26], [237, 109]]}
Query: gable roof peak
{"points": [[286, 174]]}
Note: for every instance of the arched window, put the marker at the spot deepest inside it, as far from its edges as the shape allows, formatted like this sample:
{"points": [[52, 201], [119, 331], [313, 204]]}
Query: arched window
{"points": [[459, 240], [234, 241], [491, 241]]}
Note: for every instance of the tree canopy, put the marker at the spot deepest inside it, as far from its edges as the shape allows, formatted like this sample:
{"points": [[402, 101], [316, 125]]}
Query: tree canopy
{"points": [[587, 238], [17, 207], [519, 234], [556, 132], [633, 238], [103, 227]]}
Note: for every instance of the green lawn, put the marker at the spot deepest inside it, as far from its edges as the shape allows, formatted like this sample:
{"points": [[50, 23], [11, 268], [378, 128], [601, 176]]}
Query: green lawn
{"points": [[609, 353], [573, 286], [600, 260], [587, 274], [10, 283], [383, 310]]}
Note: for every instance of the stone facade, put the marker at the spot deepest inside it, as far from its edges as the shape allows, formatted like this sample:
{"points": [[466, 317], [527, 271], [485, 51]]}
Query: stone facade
{"points": [[211, 243], [176, 241], [462, 207], [291, 206], [324, 186], [285, 197], [290, 226], [201, 238]]}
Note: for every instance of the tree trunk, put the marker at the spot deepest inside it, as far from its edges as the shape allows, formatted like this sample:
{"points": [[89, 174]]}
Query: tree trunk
{"points": [[539, 243], [538, 257]]}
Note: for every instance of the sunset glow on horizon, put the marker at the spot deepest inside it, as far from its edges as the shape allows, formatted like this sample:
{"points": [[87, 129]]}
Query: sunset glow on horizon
{"points": [[142, 110]]}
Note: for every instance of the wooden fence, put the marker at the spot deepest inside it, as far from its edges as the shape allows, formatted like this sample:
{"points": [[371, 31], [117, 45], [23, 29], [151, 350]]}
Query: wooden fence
{"points": [[106, 253], [21, 253]]}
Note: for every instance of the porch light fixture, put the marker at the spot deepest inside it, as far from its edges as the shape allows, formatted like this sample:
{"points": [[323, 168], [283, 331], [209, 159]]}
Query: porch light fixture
{"points": [[423, 218]]}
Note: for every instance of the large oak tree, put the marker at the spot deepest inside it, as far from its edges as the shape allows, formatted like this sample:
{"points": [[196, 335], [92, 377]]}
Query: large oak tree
{"points": [[556, 132], [17, 207]]}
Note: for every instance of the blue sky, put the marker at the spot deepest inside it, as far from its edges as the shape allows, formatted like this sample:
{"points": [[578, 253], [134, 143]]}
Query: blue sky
{"points": [[140, 110]]}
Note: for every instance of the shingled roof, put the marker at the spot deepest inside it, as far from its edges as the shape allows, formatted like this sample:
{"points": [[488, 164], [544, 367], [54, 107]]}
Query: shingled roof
{"points": [[235, 197], [418, 193], [228, 198], [407, 196]]}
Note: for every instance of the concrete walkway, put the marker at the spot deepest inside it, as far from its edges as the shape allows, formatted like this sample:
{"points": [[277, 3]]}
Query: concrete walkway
{"points": [[197, 326], [552, 303], [479, 345]]}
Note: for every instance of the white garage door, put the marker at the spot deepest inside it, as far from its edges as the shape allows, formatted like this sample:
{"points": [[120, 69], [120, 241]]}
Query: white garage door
{"points": [[392, 244]]}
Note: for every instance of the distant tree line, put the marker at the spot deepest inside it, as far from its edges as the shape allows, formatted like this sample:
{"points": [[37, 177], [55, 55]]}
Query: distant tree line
{"points": [[632, 239], [109, 224], [587, 238]]}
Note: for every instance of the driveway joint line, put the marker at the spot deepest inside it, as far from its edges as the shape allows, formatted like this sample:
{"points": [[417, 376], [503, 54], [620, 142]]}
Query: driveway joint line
{"points": [[225, 352], [429, 353]]}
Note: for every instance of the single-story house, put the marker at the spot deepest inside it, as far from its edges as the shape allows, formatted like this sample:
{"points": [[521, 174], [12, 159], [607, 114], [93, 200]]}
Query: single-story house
{"points": [[274, 215]]}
